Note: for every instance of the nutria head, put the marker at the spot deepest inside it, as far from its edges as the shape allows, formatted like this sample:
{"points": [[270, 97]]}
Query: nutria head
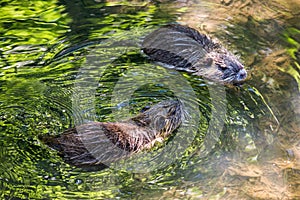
{"points": [[184, 48], [228, 68], [163, 118]]}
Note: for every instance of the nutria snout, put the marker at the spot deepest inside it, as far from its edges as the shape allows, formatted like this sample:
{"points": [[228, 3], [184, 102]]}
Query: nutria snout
{"points": [[184, 48], [100, 143]]}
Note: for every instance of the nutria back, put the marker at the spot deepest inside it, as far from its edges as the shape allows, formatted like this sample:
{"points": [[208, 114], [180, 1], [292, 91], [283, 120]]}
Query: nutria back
{"points": [[184, 48], [100, 143]]}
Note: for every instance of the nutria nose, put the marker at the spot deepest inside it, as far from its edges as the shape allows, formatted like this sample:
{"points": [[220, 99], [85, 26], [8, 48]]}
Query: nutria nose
{"points": [[242, 74]]}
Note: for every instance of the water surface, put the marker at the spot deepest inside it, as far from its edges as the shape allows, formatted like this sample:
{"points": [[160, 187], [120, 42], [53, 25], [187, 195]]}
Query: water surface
{"points": [[67, 62]]}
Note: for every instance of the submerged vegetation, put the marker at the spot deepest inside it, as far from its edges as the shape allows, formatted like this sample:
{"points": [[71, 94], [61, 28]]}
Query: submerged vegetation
{"points": [[47, 46]]}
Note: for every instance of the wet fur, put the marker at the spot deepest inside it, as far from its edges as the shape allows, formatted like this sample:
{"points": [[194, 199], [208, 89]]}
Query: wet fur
{"points": [[100, 143], [186, 49]]}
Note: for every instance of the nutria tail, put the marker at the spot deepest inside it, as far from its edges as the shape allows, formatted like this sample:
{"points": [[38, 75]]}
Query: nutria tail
{"points": [[100, 143], [184, 48]]}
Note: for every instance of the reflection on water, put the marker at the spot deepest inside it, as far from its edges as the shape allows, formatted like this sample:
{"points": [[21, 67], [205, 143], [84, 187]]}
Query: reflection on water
{"points": [[45, 47]]}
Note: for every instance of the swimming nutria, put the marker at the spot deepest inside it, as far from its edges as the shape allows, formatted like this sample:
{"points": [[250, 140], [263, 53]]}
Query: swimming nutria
{"points": [[184, 48], [100, 143]]}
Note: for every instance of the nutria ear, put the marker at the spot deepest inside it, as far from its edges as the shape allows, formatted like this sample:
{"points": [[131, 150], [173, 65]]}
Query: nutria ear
{"points": [[159, 123], [209, 62]]}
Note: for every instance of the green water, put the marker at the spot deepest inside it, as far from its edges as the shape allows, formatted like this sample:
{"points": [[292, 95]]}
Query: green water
{"points": [[64, 63]]}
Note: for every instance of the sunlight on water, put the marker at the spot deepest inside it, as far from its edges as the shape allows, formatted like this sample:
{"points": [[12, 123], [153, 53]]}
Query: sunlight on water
{"points": [[68, 62]]}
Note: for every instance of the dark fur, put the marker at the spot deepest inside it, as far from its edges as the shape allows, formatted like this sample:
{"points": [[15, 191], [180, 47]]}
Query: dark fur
{"points": [[184, 48], [100, 143]]}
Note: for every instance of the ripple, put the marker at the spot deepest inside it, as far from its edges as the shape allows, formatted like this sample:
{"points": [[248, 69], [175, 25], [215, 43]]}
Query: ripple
{"points": [[43, 47]]}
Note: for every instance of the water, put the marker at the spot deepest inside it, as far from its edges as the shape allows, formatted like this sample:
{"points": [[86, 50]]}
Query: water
{"points": [[67, 62]]}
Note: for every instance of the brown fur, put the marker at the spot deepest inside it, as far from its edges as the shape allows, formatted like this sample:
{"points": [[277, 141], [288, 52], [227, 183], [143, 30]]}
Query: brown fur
{"points": [[100, 143], [184, 48]]}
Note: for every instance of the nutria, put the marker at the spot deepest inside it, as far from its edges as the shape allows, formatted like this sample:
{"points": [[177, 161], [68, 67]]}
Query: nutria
{"points": [[100, 143], [184, 48]]}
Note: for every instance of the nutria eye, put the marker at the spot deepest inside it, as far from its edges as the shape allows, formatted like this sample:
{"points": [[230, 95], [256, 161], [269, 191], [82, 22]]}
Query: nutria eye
{"points": [[221, 68]]}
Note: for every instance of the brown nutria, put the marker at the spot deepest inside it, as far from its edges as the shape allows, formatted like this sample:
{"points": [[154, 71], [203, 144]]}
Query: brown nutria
{"points": [[184, 48], [100, 143]]}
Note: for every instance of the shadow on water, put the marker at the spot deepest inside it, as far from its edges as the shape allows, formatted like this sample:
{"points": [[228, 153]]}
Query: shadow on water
{"points": [[257, 152]]}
